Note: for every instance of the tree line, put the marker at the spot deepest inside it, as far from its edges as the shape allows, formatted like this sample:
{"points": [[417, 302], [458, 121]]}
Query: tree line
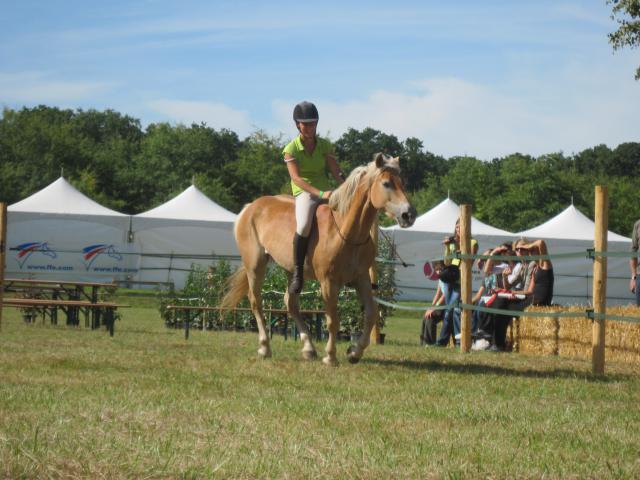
{"points": [[112, 159]]}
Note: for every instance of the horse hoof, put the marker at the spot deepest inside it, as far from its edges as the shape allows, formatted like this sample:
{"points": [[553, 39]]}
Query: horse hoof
{"points": [[264, 352], [330, 362], [309, 354], [351, 354], [353, 359]]}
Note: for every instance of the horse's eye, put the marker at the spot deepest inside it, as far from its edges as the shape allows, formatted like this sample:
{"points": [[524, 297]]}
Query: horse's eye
{"points": [[387, 184]]}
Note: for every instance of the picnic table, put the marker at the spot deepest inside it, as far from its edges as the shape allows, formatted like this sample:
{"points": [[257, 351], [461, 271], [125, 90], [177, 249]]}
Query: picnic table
{"points": [[72, 297], [312, 317]]}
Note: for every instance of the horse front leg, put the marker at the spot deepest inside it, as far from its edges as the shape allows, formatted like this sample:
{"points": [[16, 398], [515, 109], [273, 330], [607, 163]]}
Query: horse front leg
{"points": [[330, 296], [293, 307], [363, 287]]}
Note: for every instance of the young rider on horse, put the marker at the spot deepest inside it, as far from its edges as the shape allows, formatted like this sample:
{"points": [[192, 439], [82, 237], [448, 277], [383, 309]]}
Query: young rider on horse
{"points": [[307, 157]]}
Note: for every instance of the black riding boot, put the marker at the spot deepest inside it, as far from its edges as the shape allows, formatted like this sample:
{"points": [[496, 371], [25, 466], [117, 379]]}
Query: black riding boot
{"points": [[299, 254]]}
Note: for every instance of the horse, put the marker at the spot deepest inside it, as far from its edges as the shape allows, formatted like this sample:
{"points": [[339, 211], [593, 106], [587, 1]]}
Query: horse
{"points": [[340, 250]]}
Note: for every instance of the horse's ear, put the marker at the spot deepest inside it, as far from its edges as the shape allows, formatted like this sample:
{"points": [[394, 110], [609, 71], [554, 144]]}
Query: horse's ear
{"points": [[394, 163], [379, 159]]}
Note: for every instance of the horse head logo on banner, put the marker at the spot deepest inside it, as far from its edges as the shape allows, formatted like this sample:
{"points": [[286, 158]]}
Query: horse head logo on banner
{"points": [[92, 252], [25, 250]]}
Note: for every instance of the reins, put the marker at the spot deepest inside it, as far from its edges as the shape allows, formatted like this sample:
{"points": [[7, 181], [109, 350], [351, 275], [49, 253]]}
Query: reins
{"points": [[359, 244]]}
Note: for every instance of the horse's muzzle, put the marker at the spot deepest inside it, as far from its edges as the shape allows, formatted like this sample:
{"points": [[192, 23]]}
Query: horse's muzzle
{"points": [[408, 217]]}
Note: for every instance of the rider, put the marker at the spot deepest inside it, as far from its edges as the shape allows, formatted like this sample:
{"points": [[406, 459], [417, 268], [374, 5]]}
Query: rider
{"points": [[307, 157]]}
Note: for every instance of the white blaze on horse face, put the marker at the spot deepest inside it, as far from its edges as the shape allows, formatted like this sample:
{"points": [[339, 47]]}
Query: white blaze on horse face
{"points": [[395, 202]]}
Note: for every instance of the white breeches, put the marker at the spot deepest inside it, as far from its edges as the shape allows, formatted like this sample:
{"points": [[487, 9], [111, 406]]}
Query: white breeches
{"points": [[306, 205]]}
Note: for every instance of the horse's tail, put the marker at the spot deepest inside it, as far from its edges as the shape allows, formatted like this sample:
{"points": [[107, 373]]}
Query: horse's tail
{"points": [[236, 286]]}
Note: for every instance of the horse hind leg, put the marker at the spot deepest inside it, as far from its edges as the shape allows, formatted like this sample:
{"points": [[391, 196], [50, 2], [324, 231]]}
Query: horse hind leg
{"points": [[255, 277], [293, 308], [330, 296]]}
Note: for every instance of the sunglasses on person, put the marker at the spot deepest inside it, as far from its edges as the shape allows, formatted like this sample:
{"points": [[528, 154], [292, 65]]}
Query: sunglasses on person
{"points": [[521, 249]]}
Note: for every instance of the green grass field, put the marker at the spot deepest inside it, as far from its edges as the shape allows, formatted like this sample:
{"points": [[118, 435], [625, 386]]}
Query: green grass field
{"points": [[148, 404]]}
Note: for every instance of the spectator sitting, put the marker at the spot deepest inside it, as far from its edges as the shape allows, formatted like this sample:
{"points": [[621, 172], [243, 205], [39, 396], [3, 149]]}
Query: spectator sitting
{"points": [[479, 319], [538, 291], [432, 316], [518, 275], [482, 324]]}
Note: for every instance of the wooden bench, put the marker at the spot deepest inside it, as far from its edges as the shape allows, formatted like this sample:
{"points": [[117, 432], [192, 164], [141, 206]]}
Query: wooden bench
{"points": [[280, 314], [104, 311], [60, 290]]}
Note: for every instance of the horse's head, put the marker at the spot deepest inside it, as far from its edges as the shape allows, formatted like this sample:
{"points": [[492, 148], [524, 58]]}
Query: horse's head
{"points": [[387, 191]]}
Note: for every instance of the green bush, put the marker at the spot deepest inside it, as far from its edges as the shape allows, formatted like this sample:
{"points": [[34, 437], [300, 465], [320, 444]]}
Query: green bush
{"points": [[206, 286]]}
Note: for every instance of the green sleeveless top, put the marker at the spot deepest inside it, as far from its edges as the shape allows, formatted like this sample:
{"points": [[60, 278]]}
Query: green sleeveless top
{"points": [[311, 167]]}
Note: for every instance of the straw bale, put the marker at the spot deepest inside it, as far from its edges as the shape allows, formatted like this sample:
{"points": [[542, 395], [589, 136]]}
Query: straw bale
{"points": [[572, 336], [622, 339], [538, 335]]}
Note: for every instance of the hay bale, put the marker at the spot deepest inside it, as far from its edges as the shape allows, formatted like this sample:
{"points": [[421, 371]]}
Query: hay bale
{"points": [[538, 335], [622, 339], [572, 336]]}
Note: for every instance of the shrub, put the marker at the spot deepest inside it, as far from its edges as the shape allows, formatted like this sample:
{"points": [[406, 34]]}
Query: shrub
{"points": [[205, 287]]}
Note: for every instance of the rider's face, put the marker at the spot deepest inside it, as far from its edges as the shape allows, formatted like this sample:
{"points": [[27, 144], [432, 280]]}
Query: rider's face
{"points": [[308, 130]]}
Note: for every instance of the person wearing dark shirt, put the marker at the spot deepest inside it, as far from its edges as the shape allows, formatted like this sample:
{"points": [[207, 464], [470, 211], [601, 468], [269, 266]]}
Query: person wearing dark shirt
{"points": [[539, 291]]}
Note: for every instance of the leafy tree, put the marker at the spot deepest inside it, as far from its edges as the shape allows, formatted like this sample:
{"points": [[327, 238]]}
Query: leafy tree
{"points": [[623, 209], [356, 148], [259, 169], [627, 14], [416, 163], [216, 190], [594, 161]]}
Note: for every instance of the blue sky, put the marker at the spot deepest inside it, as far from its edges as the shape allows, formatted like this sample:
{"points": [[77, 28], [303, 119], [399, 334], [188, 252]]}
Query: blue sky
{"points": [[484, 78]]}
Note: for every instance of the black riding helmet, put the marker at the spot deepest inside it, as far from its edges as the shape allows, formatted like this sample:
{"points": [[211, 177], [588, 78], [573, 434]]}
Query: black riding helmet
{"points": [[305, 112]]}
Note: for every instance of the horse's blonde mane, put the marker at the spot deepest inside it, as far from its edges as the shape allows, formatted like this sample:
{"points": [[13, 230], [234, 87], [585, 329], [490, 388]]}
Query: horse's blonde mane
{"points": [[340, 199]]}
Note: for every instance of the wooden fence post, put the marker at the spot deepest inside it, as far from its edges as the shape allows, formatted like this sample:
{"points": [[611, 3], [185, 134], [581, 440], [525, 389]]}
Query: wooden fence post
{"points": [[3, 250], [465, 277], [373, 274], [600, 279]]}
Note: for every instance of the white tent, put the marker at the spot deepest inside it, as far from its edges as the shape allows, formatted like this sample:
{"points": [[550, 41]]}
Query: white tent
{"points": [[570, 224], [60, 233], [188, 229], [572, 231], [421, 244], [442, 219]]}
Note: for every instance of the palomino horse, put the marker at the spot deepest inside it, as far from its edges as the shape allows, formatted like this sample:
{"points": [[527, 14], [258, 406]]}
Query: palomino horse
{"points": [[340, 249]]}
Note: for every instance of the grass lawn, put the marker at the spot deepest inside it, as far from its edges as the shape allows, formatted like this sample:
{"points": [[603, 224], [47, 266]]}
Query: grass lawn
{"points": [[147, 403]]}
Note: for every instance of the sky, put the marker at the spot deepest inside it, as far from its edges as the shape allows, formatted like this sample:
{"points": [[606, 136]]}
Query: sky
{"points": [[483, 78]]}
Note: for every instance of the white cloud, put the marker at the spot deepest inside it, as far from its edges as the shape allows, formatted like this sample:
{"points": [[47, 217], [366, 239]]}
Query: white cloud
{"points": [[215, 115], [37, 87], [569, 111]]}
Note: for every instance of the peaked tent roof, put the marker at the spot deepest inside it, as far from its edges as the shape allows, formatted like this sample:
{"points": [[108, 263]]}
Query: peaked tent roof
{"points": [[442, 219], [570, 224], [191, 204], [60, 197]]}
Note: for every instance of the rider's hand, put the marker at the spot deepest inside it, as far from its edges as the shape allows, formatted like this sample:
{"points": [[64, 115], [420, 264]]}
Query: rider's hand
{"points": [[632, 285], [327, 194]]}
